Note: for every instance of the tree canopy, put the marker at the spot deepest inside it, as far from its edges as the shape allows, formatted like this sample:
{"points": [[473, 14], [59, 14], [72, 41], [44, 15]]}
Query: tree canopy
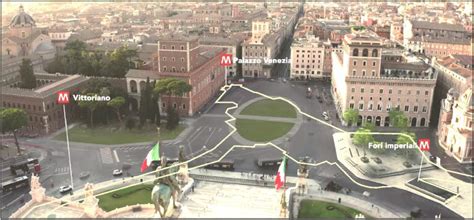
{"points": [[79, 60], [351, 116], [27, 77]]}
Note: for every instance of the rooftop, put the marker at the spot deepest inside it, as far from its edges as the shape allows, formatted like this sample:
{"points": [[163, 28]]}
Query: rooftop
{"points": [[437, 26]]}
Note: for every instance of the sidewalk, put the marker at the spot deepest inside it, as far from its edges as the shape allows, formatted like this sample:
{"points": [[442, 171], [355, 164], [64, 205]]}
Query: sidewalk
{"points": [[461, 203], [366, 207]]}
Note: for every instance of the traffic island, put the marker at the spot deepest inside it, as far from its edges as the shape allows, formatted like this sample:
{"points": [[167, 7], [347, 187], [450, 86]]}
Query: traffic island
{"points": [[378, 163], [262, 131], [263, 120]]}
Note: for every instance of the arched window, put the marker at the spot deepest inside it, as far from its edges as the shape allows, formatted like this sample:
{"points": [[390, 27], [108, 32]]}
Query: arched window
{"points": [[133, 86], [365, 53], [375, 53], [355, 52]]}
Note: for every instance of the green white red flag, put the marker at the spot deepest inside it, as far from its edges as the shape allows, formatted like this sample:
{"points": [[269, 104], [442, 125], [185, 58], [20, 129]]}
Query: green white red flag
{"points": [[153, 155], [281, 176]]}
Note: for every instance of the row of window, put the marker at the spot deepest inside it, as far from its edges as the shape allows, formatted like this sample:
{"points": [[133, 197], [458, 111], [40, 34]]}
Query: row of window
{"points": [[173, 69], [173, 59], [313, 61], [307, 66], [302, 56], [172, 47], [25, 106], [307, 72], [364, 63], [390, 91], [370, 107], [363, 72], [365, 52], [308, 51]]}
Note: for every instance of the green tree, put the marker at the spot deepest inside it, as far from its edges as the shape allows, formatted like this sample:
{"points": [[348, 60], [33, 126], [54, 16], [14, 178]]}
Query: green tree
{"points": [[12, 119], [362, 137], [351, 116], [27, 77], [117, 63], [170, 87], [398, 119], [146, 105], [116, 103], [74, 58], [404, 138], [91, 106], [56, 66], [156, 110]]}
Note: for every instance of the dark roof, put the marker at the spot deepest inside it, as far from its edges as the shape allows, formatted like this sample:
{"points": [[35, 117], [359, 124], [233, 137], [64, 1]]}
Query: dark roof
{"points": [[22, 18], [437, 26], [464, 59], [50, 89], [142, 74]]}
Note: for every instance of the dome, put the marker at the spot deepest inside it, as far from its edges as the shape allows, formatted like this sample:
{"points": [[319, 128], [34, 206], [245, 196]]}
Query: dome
{"points": [[22, 18]]}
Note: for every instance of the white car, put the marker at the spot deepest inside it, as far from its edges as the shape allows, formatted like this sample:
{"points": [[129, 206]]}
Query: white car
{"points": [[117, 172], [65, 189], [325, 114]]}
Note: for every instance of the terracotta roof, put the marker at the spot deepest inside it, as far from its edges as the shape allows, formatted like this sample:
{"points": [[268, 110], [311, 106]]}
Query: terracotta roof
{"points": [[437, 26], [142, 74]]}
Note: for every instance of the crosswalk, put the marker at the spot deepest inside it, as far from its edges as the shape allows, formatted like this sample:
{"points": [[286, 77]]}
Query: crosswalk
{"points": [[61, 170], [133, 148], [106, 155]]}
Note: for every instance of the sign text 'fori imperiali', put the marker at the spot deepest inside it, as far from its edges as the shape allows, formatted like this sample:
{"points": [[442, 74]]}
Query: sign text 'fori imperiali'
{"points": [[385, 145]]}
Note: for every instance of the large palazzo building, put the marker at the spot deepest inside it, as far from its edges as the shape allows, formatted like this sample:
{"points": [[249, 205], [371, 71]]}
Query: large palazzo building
{"points": [[374, 81], [455, 125], [182, 58]]}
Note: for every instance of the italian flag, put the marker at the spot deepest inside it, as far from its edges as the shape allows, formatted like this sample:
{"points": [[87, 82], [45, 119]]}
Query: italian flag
{"points": [[280, 178], [154, 154]]}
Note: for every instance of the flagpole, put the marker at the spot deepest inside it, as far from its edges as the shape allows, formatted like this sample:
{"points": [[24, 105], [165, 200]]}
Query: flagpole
{"points": [[67, 143]]}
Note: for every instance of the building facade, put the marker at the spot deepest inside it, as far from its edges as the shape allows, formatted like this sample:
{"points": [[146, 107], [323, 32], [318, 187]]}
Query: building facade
{"points": [[182, 58], [308, 56], [362, 80], [44, 114], [455, 125]]}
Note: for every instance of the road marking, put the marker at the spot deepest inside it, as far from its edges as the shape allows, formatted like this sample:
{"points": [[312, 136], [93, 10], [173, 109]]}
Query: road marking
{"points": [[210, 135], [9, 204], [116, 156]]}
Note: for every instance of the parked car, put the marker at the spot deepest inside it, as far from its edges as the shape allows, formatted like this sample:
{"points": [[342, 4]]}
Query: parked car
{"points": [[84, 175], [117, 172], [65, 189], [325, 114]]}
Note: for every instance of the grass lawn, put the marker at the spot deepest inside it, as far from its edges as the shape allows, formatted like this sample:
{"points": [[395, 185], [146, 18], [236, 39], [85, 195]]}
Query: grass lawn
{"points": [[319, 209], [105, 135], [262, 131], [267, 107], [140, 194]]}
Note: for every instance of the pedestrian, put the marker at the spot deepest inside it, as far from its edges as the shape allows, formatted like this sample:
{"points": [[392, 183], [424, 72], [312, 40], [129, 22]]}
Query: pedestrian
{"points": [[192, 188], [339, 200], [372, 205]]}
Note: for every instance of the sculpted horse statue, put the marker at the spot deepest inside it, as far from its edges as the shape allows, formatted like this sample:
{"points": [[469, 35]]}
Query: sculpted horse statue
{"points": [[165, 190]]}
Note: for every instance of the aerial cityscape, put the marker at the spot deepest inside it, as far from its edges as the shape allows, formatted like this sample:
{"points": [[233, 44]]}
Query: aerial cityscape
{"points": [[237, 109]]}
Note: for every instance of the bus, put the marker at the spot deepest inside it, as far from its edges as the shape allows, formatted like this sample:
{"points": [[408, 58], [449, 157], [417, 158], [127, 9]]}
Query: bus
{"points": [[222, 165], [27, 166], [269, 162], [15, 183]]}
